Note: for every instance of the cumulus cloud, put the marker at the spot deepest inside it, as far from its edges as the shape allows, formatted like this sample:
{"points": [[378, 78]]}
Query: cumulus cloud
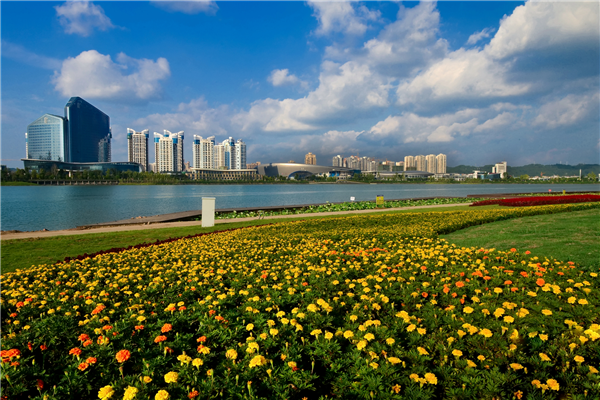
{"points": [[566, 111], [282, 77], [342, 17], [188, 7], [82, 18], [477, 36], [21, 54], [97, 76]]}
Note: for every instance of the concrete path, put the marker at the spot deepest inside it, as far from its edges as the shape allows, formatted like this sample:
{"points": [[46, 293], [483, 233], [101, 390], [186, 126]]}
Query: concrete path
{"points": [[122, 228]]}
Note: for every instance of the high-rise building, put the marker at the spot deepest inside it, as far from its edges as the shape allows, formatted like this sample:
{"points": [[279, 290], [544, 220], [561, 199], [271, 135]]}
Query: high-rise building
{"points": [[88, 132], [168, 149], [420, 163], [440, 161], [501, 169], [337, 161], [46, 138], [409, 162], [203, 152], [229, 147], [219, 156], [431, 164], [310, 159], [137, 147], [240, 155]]}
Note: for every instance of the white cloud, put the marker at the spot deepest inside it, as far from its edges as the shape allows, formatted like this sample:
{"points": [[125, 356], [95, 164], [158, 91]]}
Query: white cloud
{"points": [[82, 17], [566, 111], [188, 7], [477, 36], [97, 76], [21, 54], [342, 17], [282, 77], [499, 121]]}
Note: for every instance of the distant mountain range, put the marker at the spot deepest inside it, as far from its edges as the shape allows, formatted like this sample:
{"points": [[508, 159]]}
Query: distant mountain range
{"points": [[532, 169]]}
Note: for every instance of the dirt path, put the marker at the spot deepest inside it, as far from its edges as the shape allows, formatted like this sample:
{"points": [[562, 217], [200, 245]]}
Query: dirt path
{"points": [[122, 228]]}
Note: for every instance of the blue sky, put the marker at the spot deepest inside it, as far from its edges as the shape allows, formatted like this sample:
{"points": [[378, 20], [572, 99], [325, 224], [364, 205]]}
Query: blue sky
{"points": [[481, 82]]}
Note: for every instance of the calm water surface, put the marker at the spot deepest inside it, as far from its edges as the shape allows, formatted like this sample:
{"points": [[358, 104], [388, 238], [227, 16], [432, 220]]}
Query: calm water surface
{"points": [[28, 208]]}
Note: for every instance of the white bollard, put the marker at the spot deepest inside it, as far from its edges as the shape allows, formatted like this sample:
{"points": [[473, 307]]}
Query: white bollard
{"points": [[208, 211]]}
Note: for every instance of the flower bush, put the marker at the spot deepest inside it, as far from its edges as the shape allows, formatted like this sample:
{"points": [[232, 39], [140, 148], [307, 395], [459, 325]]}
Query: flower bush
{"points": [[539, 200], [370, 306]]}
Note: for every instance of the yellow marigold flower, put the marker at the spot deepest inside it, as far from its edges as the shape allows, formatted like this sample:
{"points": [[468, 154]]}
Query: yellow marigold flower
{"points": [[390, 341], [130, 393], [422, 331], [497, 290], [316, 332], [471, 364], [396, 388], [257, 361], [582, 302], [374, 365], [532, 294], [328, 335], [512, 347], [362, 328], [147, 379], [536, 383], [411, 328], [106, 392], [184, 358], [361, 344], [544, 357], [394, 360], [414, 377], [299, 327], [499, 312], [263, 336], [579, 359], [431, 378], [292, 364], [468, 310], [312, 308], [583, 339], [161, 395], [348, 334], [197, 362], [572, 300], [543, 337], [171, 377], [486, 333], [422, 351], [593, 370], [369, 336], [353, 318], [285, 321], [522, 313], [273, 332], [481, 357], [457, 353], [508, 319], [532, 334], [546, 312], [516, 366], [249, 327], [231, 354], [553, 384], [461, 333]]}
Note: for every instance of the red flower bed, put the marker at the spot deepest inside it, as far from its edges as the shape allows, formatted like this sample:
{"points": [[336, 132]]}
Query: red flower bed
{"points": [[539, 200]]}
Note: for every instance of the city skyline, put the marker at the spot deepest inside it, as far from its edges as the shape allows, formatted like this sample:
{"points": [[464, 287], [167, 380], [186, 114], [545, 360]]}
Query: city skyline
{"points": [[477, 81]]}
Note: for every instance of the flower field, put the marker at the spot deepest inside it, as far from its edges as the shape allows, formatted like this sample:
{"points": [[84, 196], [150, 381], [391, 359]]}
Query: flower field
{"points": [[540, 200], [361, 307]]}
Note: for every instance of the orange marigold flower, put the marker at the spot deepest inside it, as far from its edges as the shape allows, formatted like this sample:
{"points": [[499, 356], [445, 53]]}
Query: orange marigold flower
{"points": [[524, 274], [527, 252], [83, 366], [83, 337], [159, 339], [201, 339], [211, 312], [446, 290], [43, 347], [123, 356], [460, 284], [76, 351], [508, 282], [40, 384], [304, 283], [193, 394], [424, 294], [513, 250], [139, 327], [166, 328], [87, 343], [107, 327], [91, 360], [540, 282]]}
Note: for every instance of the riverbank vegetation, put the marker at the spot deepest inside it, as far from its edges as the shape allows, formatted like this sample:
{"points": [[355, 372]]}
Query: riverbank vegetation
{"points": [[367, 306]]}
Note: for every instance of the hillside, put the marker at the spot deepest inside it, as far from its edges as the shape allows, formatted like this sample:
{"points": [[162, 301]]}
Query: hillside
{"points": [[532, 169]]}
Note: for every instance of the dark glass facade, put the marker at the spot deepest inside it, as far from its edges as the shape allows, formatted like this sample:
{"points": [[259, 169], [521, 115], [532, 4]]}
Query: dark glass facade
{"points": [[88, 132], [37, 165]]}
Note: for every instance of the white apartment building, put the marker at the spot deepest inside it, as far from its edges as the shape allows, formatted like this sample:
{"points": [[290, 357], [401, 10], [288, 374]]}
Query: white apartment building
{"points": [[137, 147], [229, 148], [409, 162], [421, 163], [440, 161], [431, 164], [239, 155], [501, 169], [219, 156], [337, 161], [203, 152], [168, 149]]}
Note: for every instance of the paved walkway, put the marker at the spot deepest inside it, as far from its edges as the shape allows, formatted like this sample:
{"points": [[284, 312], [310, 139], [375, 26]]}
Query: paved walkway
{"points": [[121, 228]]}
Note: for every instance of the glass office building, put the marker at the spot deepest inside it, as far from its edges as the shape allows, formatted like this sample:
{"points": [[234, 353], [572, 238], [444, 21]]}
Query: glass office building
{"points": [[46, 138], [88, 132]]}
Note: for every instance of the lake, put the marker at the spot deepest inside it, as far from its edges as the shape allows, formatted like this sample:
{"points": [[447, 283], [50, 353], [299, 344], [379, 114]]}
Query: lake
{"points": [[28, 208]]}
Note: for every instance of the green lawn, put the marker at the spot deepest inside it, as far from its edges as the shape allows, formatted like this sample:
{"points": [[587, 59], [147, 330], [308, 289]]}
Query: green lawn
{"points": [[573, 236], [23, 253]]}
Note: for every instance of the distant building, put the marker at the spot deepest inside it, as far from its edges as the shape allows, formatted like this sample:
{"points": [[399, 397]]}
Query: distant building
{"points": [[409, 162], [431, 163], [421, 163], [46, 138], [168, 150], [310, 159], [203, 152], [337, 161], [253, 165], [88, 132], [240, 155], [137, 147], [219, 156], [440, 161], [501, 169]]}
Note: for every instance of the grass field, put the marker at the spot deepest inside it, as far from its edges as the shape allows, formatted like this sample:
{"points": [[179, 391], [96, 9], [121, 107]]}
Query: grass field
{"points": [[568, 236], [23, 253]]}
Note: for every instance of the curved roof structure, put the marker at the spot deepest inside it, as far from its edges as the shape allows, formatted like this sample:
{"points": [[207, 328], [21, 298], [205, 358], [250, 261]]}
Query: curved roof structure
{"points": [[294, 170]]}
